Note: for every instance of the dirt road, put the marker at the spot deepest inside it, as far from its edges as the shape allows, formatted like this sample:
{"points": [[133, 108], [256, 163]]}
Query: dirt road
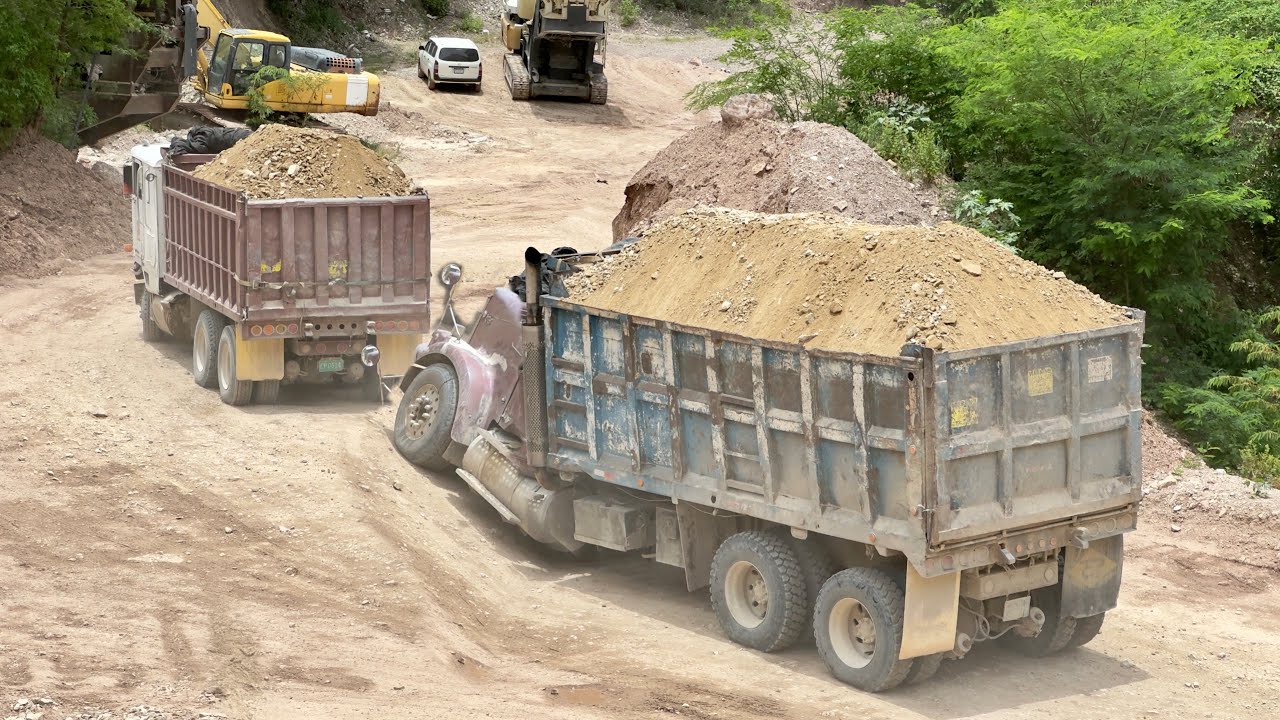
{"points": [[160, 549]]}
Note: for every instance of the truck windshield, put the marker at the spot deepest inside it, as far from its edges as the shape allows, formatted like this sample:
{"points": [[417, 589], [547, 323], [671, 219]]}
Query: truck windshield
{"points": [[459, 55]]}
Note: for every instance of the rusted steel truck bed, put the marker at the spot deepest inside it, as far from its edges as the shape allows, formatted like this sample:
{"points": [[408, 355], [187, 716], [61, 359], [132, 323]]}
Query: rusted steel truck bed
{"points": [[267, 260], [945, 456]]}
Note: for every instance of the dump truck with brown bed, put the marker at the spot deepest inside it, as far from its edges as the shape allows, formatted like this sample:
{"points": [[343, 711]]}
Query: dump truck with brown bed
{"points": [[272, 291]]}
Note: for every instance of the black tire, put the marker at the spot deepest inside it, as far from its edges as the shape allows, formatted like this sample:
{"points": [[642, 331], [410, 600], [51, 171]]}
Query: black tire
{"points": [[924, 668], [231, 390], [873, 597], [425, 417], [1057, 631], [421, 75], [756, 578], [266, 392], [151, 332], [816, 566], [1087, 629], [431, 83], [204, 348]]}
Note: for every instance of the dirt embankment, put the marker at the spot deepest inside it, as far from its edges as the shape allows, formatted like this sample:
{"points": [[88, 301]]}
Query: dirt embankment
{"points": [[773, 167], [279, 161], [53, 210], [839, 285]]}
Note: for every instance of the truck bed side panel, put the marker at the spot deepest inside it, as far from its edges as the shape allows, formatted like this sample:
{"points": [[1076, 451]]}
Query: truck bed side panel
{"points": [[1036, 432], [273, 259], [817, 441]]}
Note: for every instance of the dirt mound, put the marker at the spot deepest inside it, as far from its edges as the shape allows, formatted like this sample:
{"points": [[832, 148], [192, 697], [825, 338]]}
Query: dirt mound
{"points": [[52, 209], [773, 167], [279, 161], [839, 285]]}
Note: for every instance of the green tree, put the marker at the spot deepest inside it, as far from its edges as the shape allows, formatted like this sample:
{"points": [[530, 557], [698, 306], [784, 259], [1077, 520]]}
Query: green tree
{"points": [[1114, 140], [45, 47]]}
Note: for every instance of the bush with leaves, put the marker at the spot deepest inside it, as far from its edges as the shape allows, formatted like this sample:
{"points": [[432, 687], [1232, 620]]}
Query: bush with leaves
{"points": [[1235, 419], [992, 217], [297, 86], [44, 50]]}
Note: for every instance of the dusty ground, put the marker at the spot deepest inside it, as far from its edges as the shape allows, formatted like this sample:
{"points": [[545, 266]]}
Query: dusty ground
{"points": [[193, 558]]}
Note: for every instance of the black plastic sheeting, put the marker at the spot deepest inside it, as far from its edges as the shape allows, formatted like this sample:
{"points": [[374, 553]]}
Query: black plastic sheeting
{"points": [[207, 140]]}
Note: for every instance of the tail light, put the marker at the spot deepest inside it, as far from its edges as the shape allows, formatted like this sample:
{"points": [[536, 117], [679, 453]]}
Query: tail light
{"points": [[435, 68], [128, 180], [481, 75]]}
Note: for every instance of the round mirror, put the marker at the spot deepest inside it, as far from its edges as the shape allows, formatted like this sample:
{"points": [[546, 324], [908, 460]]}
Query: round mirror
{"points": [[450, 274]]}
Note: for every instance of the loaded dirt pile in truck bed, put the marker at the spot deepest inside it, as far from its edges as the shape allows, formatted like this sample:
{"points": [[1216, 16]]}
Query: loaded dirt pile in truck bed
{"points": [[279, 161], [835, 284], [769, 166], [52, 209]]}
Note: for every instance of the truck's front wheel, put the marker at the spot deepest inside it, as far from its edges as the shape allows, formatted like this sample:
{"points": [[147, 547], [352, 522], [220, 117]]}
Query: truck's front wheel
{"points": [[204, 348], [231, 390], [758, 591], [857, 623], [151, 332], [425, 417]]}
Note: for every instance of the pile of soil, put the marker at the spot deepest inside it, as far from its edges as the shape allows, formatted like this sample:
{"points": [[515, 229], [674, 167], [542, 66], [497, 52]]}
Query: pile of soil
{"points": [[773, 167], [835, 284], [52, 209], [279, 161]]}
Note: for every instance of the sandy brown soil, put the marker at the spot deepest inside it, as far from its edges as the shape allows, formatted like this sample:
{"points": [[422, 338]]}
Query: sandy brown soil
{"points": [[834, 284], [279, 161], [160, 549]]}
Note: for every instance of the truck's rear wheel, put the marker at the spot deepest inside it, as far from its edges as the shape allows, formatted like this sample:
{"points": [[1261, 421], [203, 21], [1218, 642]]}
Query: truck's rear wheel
{"points": [[757, 591], [816, 566], [857, 623], [266, 392], [924, 668], [231, 390], [1087, 629], [204, 348], [425, 417], [151, 332]]}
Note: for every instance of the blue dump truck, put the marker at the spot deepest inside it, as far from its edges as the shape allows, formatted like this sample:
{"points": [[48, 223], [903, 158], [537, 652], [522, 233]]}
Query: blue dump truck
{"points": [[900, 509]]}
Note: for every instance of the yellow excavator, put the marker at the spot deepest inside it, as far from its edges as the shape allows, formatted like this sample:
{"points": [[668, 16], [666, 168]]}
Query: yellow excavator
{"points": [[144, 79]]}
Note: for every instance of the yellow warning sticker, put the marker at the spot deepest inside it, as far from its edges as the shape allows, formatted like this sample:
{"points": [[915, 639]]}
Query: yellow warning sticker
{"points": [[1040, 382], [268, 268], [964, 413], [337, 269]]}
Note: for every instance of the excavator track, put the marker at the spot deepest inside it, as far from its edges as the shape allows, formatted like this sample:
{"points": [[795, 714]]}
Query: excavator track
{"points": [[517, 76], [599, 88]]}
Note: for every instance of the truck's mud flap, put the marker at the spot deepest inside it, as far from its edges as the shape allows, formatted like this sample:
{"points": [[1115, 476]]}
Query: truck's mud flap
{"points": [[259, 359], [1091, 577], [932, 610]]}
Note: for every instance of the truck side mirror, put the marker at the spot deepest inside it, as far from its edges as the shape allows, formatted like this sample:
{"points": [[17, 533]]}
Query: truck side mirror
{"points": [[450, 274], [128, 180]]}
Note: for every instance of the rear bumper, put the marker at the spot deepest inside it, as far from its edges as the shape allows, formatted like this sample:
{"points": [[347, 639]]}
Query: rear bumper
{"points": [[1027, 542]]}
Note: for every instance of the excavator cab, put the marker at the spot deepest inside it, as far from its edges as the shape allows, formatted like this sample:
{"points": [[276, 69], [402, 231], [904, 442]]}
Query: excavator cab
{"points": [[239, 55]]}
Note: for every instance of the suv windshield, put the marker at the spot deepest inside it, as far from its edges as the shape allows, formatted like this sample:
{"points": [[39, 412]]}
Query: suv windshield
{"points": [[459, 55]]}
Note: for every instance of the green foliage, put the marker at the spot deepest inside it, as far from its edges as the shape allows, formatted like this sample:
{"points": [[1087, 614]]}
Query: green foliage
{"points": [[1237, 417], [295, 85], [628, 12], [1113, 140], [471, 23], [726, 13], [44, 47], [437, 8], [905, 135], [992, 217], [309, 21], [961, 10], [793, 65]]}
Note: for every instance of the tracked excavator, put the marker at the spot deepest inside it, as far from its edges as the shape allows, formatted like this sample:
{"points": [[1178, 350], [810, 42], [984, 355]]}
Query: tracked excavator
{"points": [[557, 49], [143, 80]]}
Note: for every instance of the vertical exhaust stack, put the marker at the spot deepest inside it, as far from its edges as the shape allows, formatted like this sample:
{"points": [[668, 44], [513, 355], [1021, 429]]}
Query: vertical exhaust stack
{"points": [[532, 335]]}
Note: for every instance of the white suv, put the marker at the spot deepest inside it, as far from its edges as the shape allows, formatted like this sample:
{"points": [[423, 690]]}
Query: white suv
{"points": [[450, 61]]}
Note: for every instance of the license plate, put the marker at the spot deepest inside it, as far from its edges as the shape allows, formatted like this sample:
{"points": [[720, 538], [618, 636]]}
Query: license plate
{"points": [[458, 69], [332, 365]]}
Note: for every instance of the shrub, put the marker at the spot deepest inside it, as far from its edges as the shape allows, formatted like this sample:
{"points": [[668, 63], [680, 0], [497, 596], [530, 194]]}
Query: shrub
{"points": [[992, 217], [628, 12], [471, 23], [436, 8]]}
